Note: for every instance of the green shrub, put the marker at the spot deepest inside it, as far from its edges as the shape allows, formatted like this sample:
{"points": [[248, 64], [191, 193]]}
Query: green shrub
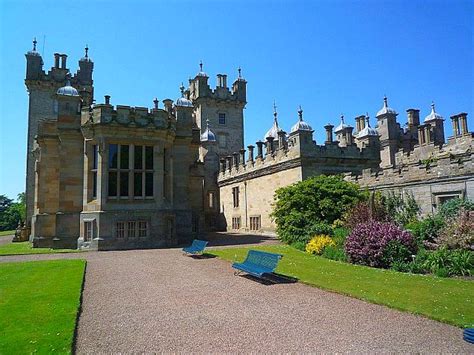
{"points": [[449, 262], [396, 252], [426, 230], [299, 245], [458, 232], [451, 208], [334, 253], [301, 207], [402, 210]]}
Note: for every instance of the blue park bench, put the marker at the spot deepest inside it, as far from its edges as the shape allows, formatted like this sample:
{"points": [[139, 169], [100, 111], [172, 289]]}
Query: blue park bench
{"points": [[469, 335], [197, 247], [258, 263]]}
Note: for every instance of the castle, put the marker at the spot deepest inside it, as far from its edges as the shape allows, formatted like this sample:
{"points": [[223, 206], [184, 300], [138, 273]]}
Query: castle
{"points": [[103, 177]]}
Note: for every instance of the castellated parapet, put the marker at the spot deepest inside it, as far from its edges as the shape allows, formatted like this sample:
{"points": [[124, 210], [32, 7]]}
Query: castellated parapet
{"points": [[299, 150], [432, 171]]}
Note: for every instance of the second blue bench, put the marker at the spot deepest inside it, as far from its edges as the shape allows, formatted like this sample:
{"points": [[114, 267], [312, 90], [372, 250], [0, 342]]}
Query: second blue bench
{"points": [[258, 263]]}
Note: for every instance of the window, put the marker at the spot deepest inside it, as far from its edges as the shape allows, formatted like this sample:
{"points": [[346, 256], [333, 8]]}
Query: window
{"points": [[120, 230], [142, 229], [131, 229], [235, 196], [255, 223], [222, 139], [211, 199], [88, 231], [95, 158], [126, 167], [195, 223], [221, 118], [235, 222]]}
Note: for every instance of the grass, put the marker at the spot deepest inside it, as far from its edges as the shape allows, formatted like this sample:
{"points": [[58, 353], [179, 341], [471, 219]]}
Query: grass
{"points": [[6, 233], [447, 300], [39, 303], [21, 248]]}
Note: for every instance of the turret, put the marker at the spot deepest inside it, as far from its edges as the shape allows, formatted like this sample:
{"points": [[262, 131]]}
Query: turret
{"points": [[34, 64], [239, 87], [389, 133], [86, 66], [344, 133], [68, 100], [436, 130]]}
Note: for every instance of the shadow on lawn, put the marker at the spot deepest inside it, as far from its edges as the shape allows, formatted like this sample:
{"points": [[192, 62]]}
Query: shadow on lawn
{"points": [[224, 239], [271, 279]]}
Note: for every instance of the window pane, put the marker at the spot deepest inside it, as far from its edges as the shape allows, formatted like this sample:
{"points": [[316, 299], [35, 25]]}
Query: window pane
{"points": [[123, 184], [112, 184], [95, 151], [124, 157], [149, 184], [137, 184], [149, 157], [94, 184], [138, 157], [113, 156], [221, 118]]}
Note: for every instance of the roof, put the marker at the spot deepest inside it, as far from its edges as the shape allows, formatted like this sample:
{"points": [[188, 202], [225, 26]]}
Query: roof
{"points": [[208, 135], [367, 131], [301, 125], [385, 109], [342, 126], [67, 90], [433, 116]]}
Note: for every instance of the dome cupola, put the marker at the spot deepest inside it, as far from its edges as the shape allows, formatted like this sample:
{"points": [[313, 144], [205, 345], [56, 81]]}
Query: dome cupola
{"points": [[342, 126], [385, 109], [208, 135], [183, 101], [67, 90], [301, 125], [273, 131], [367, 131], [433, 116]]}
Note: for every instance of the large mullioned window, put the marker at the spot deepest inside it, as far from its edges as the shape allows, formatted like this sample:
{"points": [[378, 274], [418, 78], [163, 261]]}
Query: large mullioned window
{"points": [[130, 171]]}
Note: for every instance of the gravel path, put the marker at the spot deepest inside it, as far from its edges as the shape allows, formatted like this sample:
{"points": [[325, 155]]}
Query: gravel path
{"points": [[161, 301]]}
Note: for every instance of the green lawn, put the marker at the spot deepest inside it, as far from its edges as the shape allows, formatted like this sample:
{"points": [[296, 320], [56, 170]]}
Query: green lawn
{"points": [[6, 233], [39, 302], [446, 300], [26, 248]]}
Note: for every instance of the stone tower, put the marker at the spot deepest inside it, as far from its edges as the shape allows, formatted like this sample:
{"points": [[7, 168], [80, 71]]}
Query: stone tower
{"points": [[42, 88], [222, 107], [389, 133]]}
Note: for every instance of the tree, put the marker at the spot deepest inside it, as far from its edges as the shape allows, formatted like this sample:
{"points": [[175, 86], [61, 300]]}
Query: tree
{"points": [[11, 212], [300, 208]]}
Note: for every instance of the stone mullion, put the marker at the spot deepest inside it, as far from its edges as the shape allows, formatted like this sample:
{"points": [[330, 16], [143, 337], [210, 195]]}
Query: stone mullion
{"points": [[158, 175]]}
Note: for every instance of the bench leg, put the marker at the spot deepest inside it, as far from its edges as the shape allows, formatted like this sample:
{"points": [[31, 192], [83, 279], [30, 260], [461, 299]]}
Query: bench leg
{"points": [[237, 272]]}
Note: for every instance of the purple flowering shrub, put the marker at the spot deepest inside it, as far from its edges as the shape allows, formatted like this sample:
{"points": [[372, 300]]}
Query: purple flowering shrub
{"points": [[371, 244]]}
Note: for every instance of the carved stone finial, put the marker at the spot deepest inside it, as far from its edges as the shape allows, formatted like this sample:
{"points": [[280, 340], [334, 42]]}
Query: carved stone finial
{"points": [[87, 51], [200, 66], [300, 113], [181, 88], [240, 72], [155, 102], [34, 44]]}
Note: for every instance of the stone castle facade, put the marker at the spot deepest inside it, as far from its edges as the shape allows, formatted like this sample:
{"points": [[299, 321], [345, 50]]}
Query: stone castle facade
{"points": [[115, 177]]}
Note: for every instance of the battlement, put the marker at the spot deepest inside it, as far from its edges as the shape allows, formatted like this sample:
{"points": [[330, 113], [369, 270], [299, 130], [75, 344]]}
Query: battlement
{"points": [[56, 76], [128, 116], [200, 89], [424, 163], [298, 150]]}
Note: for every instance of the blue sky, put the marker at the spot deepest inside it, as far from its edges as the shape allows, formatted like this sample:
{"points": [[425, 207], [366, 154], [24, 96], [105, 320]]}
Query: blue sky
{"points": [[331, 57]]}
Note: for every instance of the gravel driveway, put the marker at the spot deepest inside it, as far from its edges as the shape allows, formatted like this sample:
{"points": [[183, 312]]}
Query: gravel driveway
{"points": [[161, 301]]}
